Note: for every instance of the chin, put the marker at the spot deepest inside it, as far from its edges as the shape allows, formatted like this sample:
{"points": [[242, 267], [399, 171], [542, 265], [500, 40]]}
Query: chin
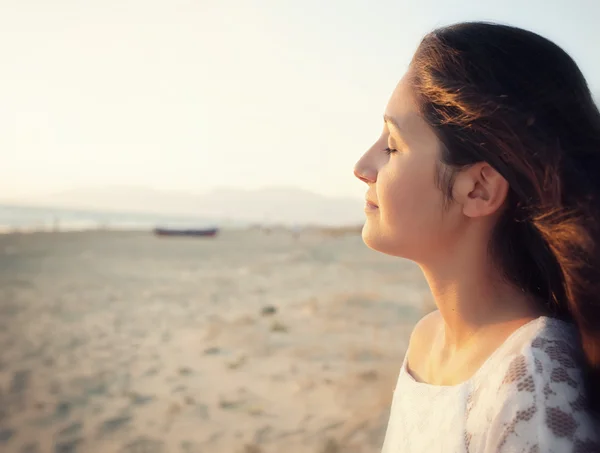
{"points": [[376, 239]]}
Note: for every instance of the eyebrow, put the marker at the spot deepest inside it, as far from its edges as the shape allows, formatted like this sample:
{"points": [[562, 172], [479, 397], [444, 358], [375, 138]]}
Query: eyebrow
{"points": [[400, 133], [392, 121]]}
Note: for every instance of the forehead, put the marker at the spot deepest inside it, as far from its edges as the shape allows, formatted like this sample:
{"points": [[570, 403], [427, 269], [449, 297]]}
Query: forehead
{"points": [[402, 106], [403, 110]]}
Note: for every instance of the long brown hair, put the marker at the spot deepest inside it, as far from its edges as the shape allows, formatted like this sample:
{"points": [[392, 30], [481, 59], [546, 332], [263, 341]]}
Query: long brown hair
{"points": [[516, 100]]}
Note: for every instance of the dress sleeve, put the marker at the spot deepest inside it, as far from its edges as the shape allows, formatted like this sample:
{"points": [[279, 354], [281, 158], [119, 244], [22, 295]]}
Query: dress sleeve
{"points": [[540, 405]]}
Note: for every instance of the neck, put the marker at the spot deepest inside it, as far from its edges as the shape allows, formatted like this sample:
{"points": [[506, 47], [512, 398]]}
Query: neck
{"points": [[472, 297]]}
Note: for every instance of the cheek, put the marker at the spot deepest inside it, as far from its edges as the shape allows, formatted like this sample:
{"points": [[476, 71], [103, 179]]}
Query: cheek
{"points": [[409, 196], [410, 212]]}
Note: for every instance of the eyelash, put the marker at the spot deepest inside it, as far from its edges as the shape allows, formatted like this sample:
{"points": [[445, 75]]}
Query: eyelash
{"points": [[389, 150]]}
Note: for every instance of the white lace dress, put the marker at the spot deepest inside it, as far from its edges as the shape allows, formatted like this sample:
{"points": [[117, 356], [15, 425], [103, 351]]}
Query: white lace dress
{"points": [[527, 398]]}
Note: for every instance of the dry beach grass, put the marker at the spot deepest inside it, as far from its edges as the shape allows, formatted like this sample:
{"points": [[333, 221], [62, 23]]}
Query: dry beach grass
{"points": [[123, 342]]}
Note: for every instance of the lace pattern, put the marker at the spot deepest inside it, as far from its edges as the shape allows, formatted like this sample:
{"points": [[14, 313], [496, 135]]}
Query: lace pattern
{"points": [[539, 405], [527, 398]]}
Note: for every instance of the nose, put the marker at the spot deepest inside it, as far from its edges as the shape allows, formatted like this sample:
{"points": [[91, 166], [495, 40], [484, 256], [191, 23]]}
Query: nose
{"points": [[364, 172]]}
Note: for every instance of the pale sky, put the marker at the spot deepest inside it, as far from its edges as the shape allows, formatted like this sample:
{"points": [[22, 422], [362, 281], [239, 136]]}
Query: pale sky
{"points": [[193, 95]]}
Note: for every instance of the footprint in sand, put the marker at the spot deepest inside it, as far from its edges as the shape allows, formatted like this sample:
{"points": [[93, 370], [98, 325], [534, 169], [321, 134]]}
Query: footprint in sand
{"points": [[32, 447], [114, 424], [68, 446], [20, 381], [143, 445], [71, 430], [138, 399], [18, 390], [189, 447], [6, 434]]}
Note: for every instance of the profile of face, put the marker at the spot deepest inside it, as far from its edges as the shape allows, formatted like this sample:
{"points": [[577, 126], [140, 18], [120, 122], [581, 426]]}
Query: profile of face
{"points": [[405, 211]]}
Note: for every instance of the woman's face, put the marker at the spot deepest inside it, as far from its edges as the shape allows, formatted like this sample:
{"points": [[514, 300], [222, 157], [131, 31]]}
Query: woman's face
{"points": [[404, 208]]}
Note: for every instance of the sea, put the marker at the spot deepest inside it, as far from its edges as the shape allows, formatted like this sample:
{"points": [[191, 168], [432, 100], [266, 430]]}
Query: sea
{"points": [[17, 218]]}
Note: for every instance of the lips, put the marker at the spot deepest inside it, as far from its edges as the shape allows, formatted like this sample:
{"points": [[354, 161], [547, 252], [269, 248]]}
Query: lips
{"points": [[370, 206]]}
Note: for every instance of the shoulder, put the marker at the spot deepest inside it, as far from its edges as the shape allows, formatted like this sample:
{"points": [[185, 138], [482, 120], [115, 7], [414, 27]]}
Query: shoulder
{"points": [[537, 398], [548, 365], [423, 332]]}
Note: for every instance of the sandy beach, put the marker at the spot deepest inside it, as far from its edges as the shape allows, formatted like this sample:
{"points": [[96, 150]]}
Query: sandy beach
{"points": [[248, 342]]}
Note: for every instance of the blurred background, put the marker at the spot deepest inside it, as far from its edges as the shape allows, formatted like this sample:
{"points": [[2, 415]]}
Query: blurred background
{"points": [[181, 267]]}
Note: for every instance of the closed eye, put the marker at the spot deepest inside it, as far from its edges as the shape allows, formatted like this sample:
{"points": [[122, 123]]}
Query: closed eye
{"points": [[389, 150]]}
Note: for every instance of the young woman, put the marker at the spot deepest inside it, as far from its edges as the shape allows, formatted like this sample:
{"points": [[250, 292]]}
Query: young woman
{"points": [[487, 174]]}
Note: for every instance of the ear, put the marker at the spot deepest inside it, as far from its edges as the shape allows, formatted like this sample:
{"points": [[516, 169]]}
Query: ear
{"points": [[480, 190]]}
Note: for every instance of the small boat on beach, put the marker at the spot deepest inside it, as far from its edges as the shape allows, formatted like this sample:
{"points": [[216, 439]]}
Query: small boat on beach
{"points": [[207, 232]]}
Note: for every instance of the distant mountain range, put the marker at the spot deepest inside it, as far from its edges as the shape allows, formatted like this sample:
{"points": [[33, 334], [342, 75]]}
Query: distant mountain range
{"points": [[275, 205]]}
